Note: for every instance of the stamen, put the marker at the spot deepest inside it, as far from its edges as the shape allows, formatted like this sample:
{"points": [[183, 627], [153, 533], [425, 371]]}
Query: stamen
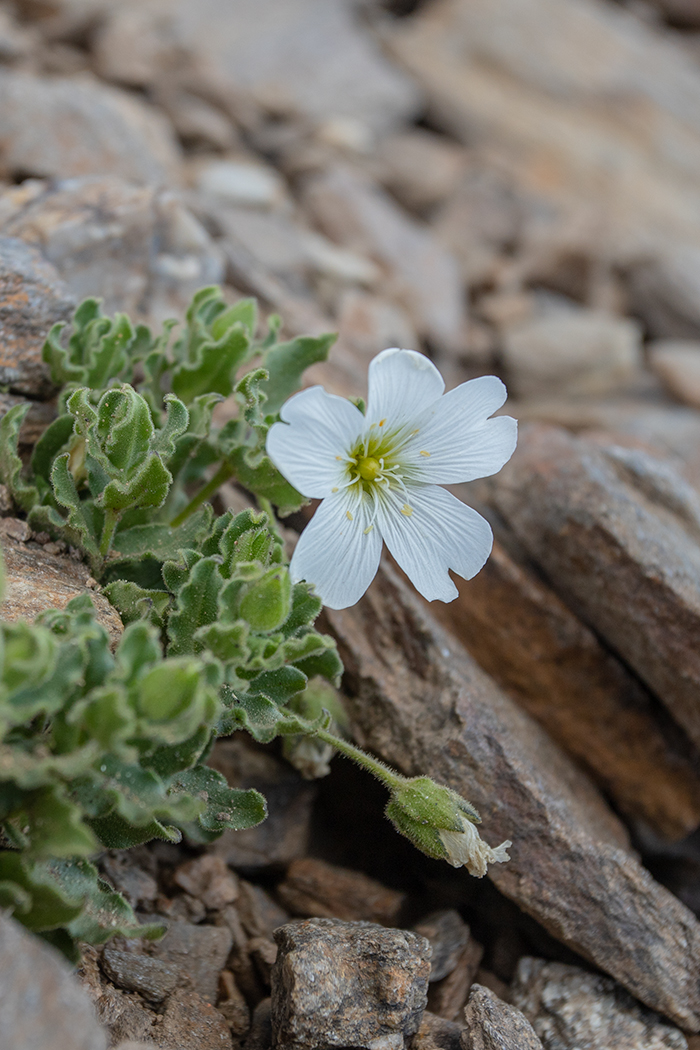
{"points": [[340, 458], [408, 511], [334, 490], [416, 431], [368, 529], [422, 453], [382, 422], [348, 515]]}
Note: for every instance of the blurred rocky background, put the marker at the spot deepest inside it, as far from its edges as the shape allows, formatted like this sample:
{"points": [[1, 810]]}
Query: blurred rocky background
{"points": [[512, 187]]}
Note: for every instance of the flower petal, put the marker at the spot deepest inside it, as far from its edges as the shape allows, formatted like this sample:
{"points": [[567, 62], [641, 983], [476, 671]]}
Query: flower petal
{"points": [[335, 553], [456, 441], [402, 384], [317, 428], [441, 533]]}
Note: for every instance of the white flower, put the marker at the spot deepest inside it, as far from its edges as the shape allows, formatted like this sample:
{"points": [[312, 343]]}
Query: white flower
{"points": [[378, 476], [466, 847]]}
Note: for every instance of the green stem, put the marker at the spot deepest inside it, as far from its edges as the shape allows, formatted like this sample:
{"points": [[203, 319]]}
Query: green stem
{"points": [[388, 777], [111, 522], [223, 474]]}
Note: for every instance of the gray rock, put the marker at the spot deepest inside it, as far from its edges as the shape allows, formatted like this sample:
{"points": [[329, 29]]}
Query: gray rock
{"points": [[198, 951], [571, 1008], [494, 1025], [77, 126], [340, 984], [663, 290], [208, 879], [32, 299], [192, 1023], [151, 978], [42, 1006], [258, 912], [448, 936], [436, 1033]]}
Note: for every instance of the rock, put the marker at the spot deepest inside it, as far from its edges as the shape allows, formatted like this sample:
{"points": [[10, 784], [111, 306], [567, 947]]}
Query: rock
{"points": [[42, 1006], [16, 41], [263, 50], [40, 414], [241, 183], [285, 834], [259, 913], [260, 1035], [191, 1023], [579, 352], [123, 871], [663, 290], [208, 879], [448, 996], [424, 277], [263, 952], [530, 642], [419, 167], [448, 936], [683, 13], [32, 299], [77, 126], [232, 1005], [616, 531], [124, 1016], [569, 1007], [122, 242], [340, 984], [313, 887], [198, 951], [36, 580], [368, 322], [198, 123], [677, 364], [151, 978], [494, 1025], [435, 1033], [419, 701]]}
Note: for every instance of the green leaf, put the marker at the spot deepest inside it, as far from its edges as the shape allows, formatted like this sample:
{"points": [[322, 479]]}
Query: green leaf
{"points": [[162, 541], [266, 603], [42, 903], [49, 445], [53, 825], [104, 913], [224, 807], [197, 605], [287, 362], [80, 524], [214, 368], [24, 495], [147, 487], [279, 685], [137, 603], [264, 479], [244, 312], [109, 357], [176, 423]]}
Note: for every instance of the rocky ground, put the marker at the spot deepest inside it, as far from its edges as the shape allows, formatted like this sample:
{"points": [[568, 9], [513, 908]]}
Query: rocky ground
{"points": [[511, 188]]}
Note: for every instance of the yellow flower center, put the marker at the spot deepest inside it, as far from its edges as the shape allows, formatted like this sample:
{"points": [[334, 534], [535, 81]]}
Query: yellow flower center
{"points": [[368, 468]]}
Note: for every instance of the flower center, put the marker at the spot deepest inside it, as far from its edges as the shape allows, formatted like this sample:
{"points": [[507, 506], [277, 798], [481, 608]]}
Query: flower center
{"points": [[368, 468]]}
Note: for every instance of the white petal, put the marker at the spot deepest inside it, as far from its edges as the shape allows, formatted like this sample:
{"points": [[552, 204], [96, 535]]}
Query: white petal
{"points": [[442, 533], [334, 552], [402, 384], [456, 441], [317, 428]]}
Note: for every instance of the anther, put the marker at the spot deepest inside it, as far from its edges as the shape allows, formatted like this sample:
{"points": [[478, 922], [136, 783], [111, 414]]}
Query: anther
{"points": [[368, 529], [348, 515], [422, 453], [408, 511], [382, 422], [334, 490]]}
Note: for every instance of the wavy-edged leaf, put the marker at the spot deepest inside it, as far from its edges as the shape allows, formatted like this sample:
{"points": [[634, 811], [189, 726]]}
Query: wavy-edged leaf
{"points": [[224, 807], [24, 495], [287, 362], [80, 521], [214, 368], [197, 605]]}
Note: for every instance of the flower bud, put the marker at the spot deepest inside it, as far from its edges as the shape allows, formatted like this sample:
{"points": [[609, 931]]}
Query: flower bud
{"points": [[442, 824]]}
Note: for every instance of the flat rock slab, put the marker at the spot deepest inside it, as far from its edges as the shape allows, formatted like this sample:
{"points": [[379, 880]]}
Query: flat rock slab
{"points": [[570, 1008], [342, 984], [313, 887], [617, 533], [36, 581], [418, 700], [32, 299], [42, 1006]]}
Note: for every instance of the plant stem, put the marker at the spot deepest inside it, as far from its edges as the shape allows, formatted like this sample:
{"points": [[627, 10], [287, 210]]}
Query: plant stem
{"points": [[388, 777], [111, 522], [223, 474]]}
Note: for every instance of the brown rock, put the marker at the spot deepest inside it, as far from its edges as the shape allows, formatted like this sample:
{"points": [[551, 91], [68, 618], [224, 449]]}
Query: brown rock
{"points": [[338, 984], [494, 1025], [425, 279], [571, 1007], [524, 636], [435, 1033], [42, 1006], [32, 299], [232, 1005], [421, 703], [258, 912], [616, 531], [447, 997], [448, 936], [209, 879], [124, 1016], [191, 1023], [677, 364], [263, 952], [313, 887], [260, 1035], [419, 167], [78, 126], [198, 951], [151, 978], [36, 581]]}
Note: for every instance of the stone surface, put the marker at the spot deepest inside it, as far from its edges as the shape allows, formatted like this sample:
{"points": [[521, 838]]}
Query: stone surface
{"points": [[420, 702], [78, 126], [579, 352], [208, 879], [260, 1035], [419, 167], [36, 580], [32, 299], [448, 936], [663, 290], [617, 533], [152, 979], [110, 238], [447, 997], [677, 364], [494, 1025], [258, 912], [314, 888], [435, 1033], [40, 414], [531, 643], [423, 275], [191, 1023], [198, 951], [339, 984], [42, 1006], [284, 836], [569, 1007], [241, 183]]}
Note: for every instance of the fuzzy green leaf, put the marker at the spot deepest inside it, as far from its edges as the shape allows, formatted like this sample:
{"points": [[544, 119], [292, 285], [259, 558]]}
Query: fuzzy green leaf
{"points": [[197, 605], [224, 807], [24, 495], [287, 362]]}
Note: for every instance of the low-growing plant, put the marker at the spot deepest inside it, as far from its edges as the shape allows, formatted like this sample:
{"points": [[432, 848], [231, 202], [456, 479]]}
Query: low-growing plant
{"points": [[108, 750]]}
